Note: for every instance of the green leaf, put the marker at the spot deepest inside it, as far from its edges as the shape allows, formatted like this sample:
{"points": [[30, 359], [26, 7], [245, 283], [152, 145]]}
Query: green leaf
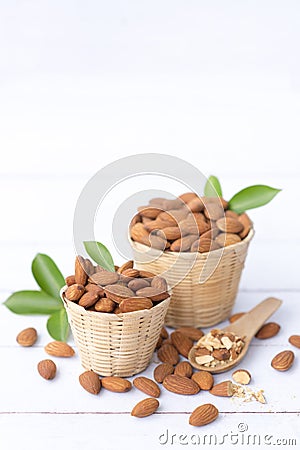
{"points": [[252, 197], [47, 275], [213, 187], [100, 254], [58, 325], [32, 302]]}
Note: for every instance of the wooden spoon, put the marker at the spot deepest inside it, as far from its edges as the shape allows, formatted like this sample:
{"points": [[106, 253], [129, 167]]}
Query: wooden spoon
{"points": [[247, 326]]}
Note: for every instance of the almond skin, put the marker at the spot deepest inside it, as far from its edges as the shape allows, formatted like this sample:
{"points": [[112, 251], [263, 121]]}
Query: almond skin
{"points": [[161, 371], [283, 361], [164, 334], [105, 305], [80, 274], [224, 389], [127, 265], [268, 330], [145, 407], [184, 369], [203, 415], [182, 343], [70, 280], [247, 223], [236, 317], [295, 340], [88, 299], [154, 294], [230, 225], [58, 348], [138, 283], [168, 354], [160, 284], [74, 292], [27, 337], [90, 381], [117, 292], [104, 278], [204, 379], [135, 304], [193, 333], [47, 369], [147, 386], [226, 239], [180, 385], [116, 384]]}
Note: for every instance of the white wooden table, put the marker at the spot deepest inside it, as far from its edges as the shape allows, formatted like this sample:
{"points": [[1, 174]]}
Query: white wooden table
{"points": [[82, 84]]}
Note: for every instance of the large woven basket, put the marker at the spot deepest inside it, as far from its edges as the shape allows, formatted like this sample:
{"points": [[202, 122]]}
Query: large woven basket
{"points": [[194, 303], [111, 344]]}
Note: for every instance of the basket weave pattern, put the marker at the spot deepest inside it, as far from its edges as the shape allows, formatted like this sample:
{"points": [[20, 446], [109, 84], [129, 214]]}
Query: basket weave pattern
{"points": [[120, 345], [193, 303]]}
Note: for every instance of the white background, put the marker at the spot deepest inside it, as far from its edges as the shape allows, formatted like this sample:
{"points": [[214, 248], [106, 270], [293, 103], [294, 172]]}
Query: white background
{"points": [[85, 83]]}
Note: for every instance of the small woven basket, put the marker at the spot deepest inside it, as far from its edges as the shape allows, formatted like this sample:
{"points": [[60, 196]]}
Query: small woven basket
{"points": [[193, 303], [111, 344]]}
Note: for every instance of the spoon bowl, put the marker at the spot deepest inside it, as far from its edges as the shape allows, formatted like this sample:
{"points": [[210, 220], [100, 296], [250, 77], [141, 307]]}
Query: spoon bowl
{"points": [[247, 326]]}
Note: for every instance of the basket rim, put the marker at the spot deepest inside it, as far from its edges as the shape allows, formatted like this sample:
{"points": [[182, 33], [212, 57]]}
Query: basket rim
{"points": [[203, 255], [111, 316]]}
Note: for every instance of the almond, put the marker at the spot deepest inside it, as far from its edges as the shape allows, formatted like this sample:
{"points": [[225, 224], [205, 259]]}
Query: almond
{"points": [[236, 316], [58, 348], [80, 274], [221, 354], [105, 278], [154, 294], [184, 369], [139, 233], [70, 280], [173, 216], [175, 203], [131, 273], [170, 233], [182, 343], [226, 239], [196, 204], [232, 214], [204, 379], [247, 223], [268, 330], [164, 334], [74, 292], [154, 241], [211, 234], [47, 369], [202, 351], [203, 415], [27, 337], [283, 361], [241, 376], [160, 284], [150, 212], [213, 210], [187, 197], [156, 224], [230, 225], [224, 389], [135, 304], [95, 288], [90, 381], [138, 283], [146, 274], [105, 305], [204, 245], [88, 299], [180, 385], [183, 244], [295, 340], [127, 265], [88, 267], [193, 333], [168, 353], [161, 371], [145, 407], [116, 384], [117, 293], [147, 386]]}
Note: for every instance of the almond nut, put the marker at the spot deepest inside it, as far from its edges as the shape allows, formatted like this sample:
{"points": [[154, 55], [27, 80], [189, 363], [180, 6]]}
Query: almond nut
{"points": [[295, 340], [224, 389], [145, 407], [193, 333], [147, 386], [181, 385], [105, 305], [203, 415], [27, 337], [268, 330], [241, 376], [104, 278], [60, 349], [135, 304], [182, 343], [74, 292], [168, 353], [80, 274], [236, 317], [161, 371], [90, 381], [47, 369], [283, 361], [184, 369], [116, 384], [204, 379]]}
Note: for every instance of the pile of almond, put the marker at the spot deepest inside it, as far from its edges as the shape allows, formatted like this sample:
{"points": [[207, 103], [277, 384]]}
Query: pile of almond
{"points": [[123, 291], [189, 224], [217, 348]]}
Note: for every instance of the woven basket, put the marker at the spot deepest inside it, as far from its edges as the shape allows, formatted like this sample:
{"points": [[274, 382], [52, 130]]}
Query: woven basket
{"points": [[193, 303], [111, 344]]}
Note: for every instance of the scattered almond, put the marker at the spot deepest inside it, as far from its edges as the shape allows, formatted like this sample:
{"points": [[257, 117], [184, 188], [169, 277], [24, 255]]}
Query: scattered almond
{"points": [[204, 379], [268, 330], [161, 371], [295, 340], [184, 369], [283, 361], [145, 407], [90, 381], [182, 343], [193, 333], [236, 317], [224, 389], [168, 354], [116, 384], [203, 415], [47, 369], [27, 337], [60, 349], [180, 385], [147, 386]]}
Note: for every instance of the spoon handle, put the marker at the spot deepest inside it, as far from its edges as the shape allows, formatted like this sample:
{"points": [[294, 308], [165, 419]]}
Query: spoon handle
{"points": [[250, 323]]}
